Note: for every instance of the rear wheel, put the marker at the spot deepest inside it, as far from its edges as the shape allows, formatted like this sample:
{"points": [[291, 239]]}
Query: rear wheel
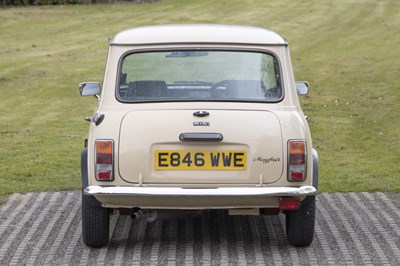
{"points": [[300, 224], [95, 222]]}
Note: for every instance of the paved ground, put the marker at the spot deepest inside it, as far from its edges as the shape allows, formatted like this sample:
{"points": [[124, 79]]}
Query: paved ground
{"points": [[351, 229]]}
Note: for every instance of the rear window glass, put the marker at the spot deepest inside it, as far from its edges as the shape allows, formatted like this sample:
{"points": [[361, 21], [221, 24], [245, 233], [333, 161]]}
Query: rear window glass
{"points": [[199, 75]]}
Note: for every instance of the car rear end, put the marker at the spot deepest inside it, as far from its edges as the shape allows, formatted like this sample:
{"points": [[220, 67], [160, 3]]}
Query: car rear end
{"points": [[200, 121]]}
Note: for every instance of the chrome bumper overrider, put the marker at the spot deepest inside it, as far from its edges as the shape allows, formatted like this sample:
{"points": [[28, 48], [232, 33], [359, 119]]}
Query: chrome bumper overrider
{"points": [[200, 192]]}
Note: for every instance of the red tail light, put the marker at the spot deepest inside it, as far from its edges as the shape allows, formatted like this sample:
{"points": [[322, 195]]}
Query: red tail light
{"points": [[297, 160], [289, 203], [104, 160]]}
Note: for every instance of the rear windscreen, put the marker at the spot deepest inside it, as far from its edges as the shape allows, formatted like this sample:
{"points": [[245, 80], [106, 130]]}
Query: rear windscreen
{"points": [[199, 75]]}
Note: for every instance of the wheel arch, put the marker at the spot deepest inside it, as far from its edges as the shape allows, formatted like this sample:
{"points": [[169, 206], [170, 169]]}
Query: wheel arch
{"points": [[84, 168], [315, 168]]}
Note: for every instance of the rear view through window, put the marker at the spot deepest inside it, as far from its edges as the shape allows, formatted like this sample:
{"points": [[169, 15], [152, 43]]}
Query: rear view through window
{"points": [[199, 75]]}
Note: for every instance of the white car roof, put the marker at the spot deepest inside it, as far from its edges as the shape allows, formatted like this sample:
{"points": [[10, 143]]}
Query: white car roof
{"points": [[165, 34]]}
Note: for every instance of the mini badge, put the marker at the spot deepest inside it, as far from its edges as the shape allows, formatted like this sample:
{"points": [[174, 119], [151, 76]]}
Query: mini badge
{"points": [[201, 124]]}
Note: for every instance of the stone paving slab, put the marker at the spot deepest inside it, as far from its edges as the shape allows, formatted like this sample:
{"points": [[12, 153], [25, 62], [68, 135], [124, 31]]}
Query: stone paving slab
{"points": [[351, 229]]}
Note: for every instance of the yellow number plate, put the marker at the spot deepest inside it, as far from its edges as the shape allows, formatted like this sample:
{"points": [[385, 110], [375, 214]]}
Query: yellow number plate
{"points": [[199, 160]]}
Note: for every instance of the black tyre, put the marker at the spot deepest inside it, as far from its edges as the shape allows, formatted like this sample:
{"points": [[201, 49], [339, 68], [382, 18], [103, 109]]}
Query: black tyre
{"points": [[95, 222], [300, 224]]}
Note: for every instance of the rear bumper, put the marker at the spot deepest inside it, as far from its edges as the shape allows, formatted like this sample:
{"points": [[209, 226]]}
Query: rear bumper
{"points": [[191, 192], [191, 198]]}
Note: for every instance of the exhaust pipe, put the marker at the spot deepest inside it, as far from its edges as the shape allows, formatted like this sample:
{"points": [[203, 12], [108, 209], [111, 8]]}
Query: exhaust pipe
{"points": [[148, 215]]}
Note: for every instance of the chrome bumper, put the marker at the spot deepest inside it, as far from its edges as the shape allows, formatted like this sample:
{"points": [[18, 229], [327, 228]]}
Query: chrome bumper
{"points": [[192, 192]]}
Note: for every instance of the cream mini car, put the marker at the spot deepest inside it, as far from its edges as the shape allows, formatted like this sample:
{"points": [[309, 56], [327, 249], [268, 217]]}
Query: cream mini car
{"points": [[197, 117]]}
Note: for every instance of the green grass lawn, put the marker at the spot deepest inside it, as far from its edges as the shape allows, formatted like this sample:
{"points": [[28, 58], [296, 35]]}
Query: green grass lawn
{"points": [[348, 51]]}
